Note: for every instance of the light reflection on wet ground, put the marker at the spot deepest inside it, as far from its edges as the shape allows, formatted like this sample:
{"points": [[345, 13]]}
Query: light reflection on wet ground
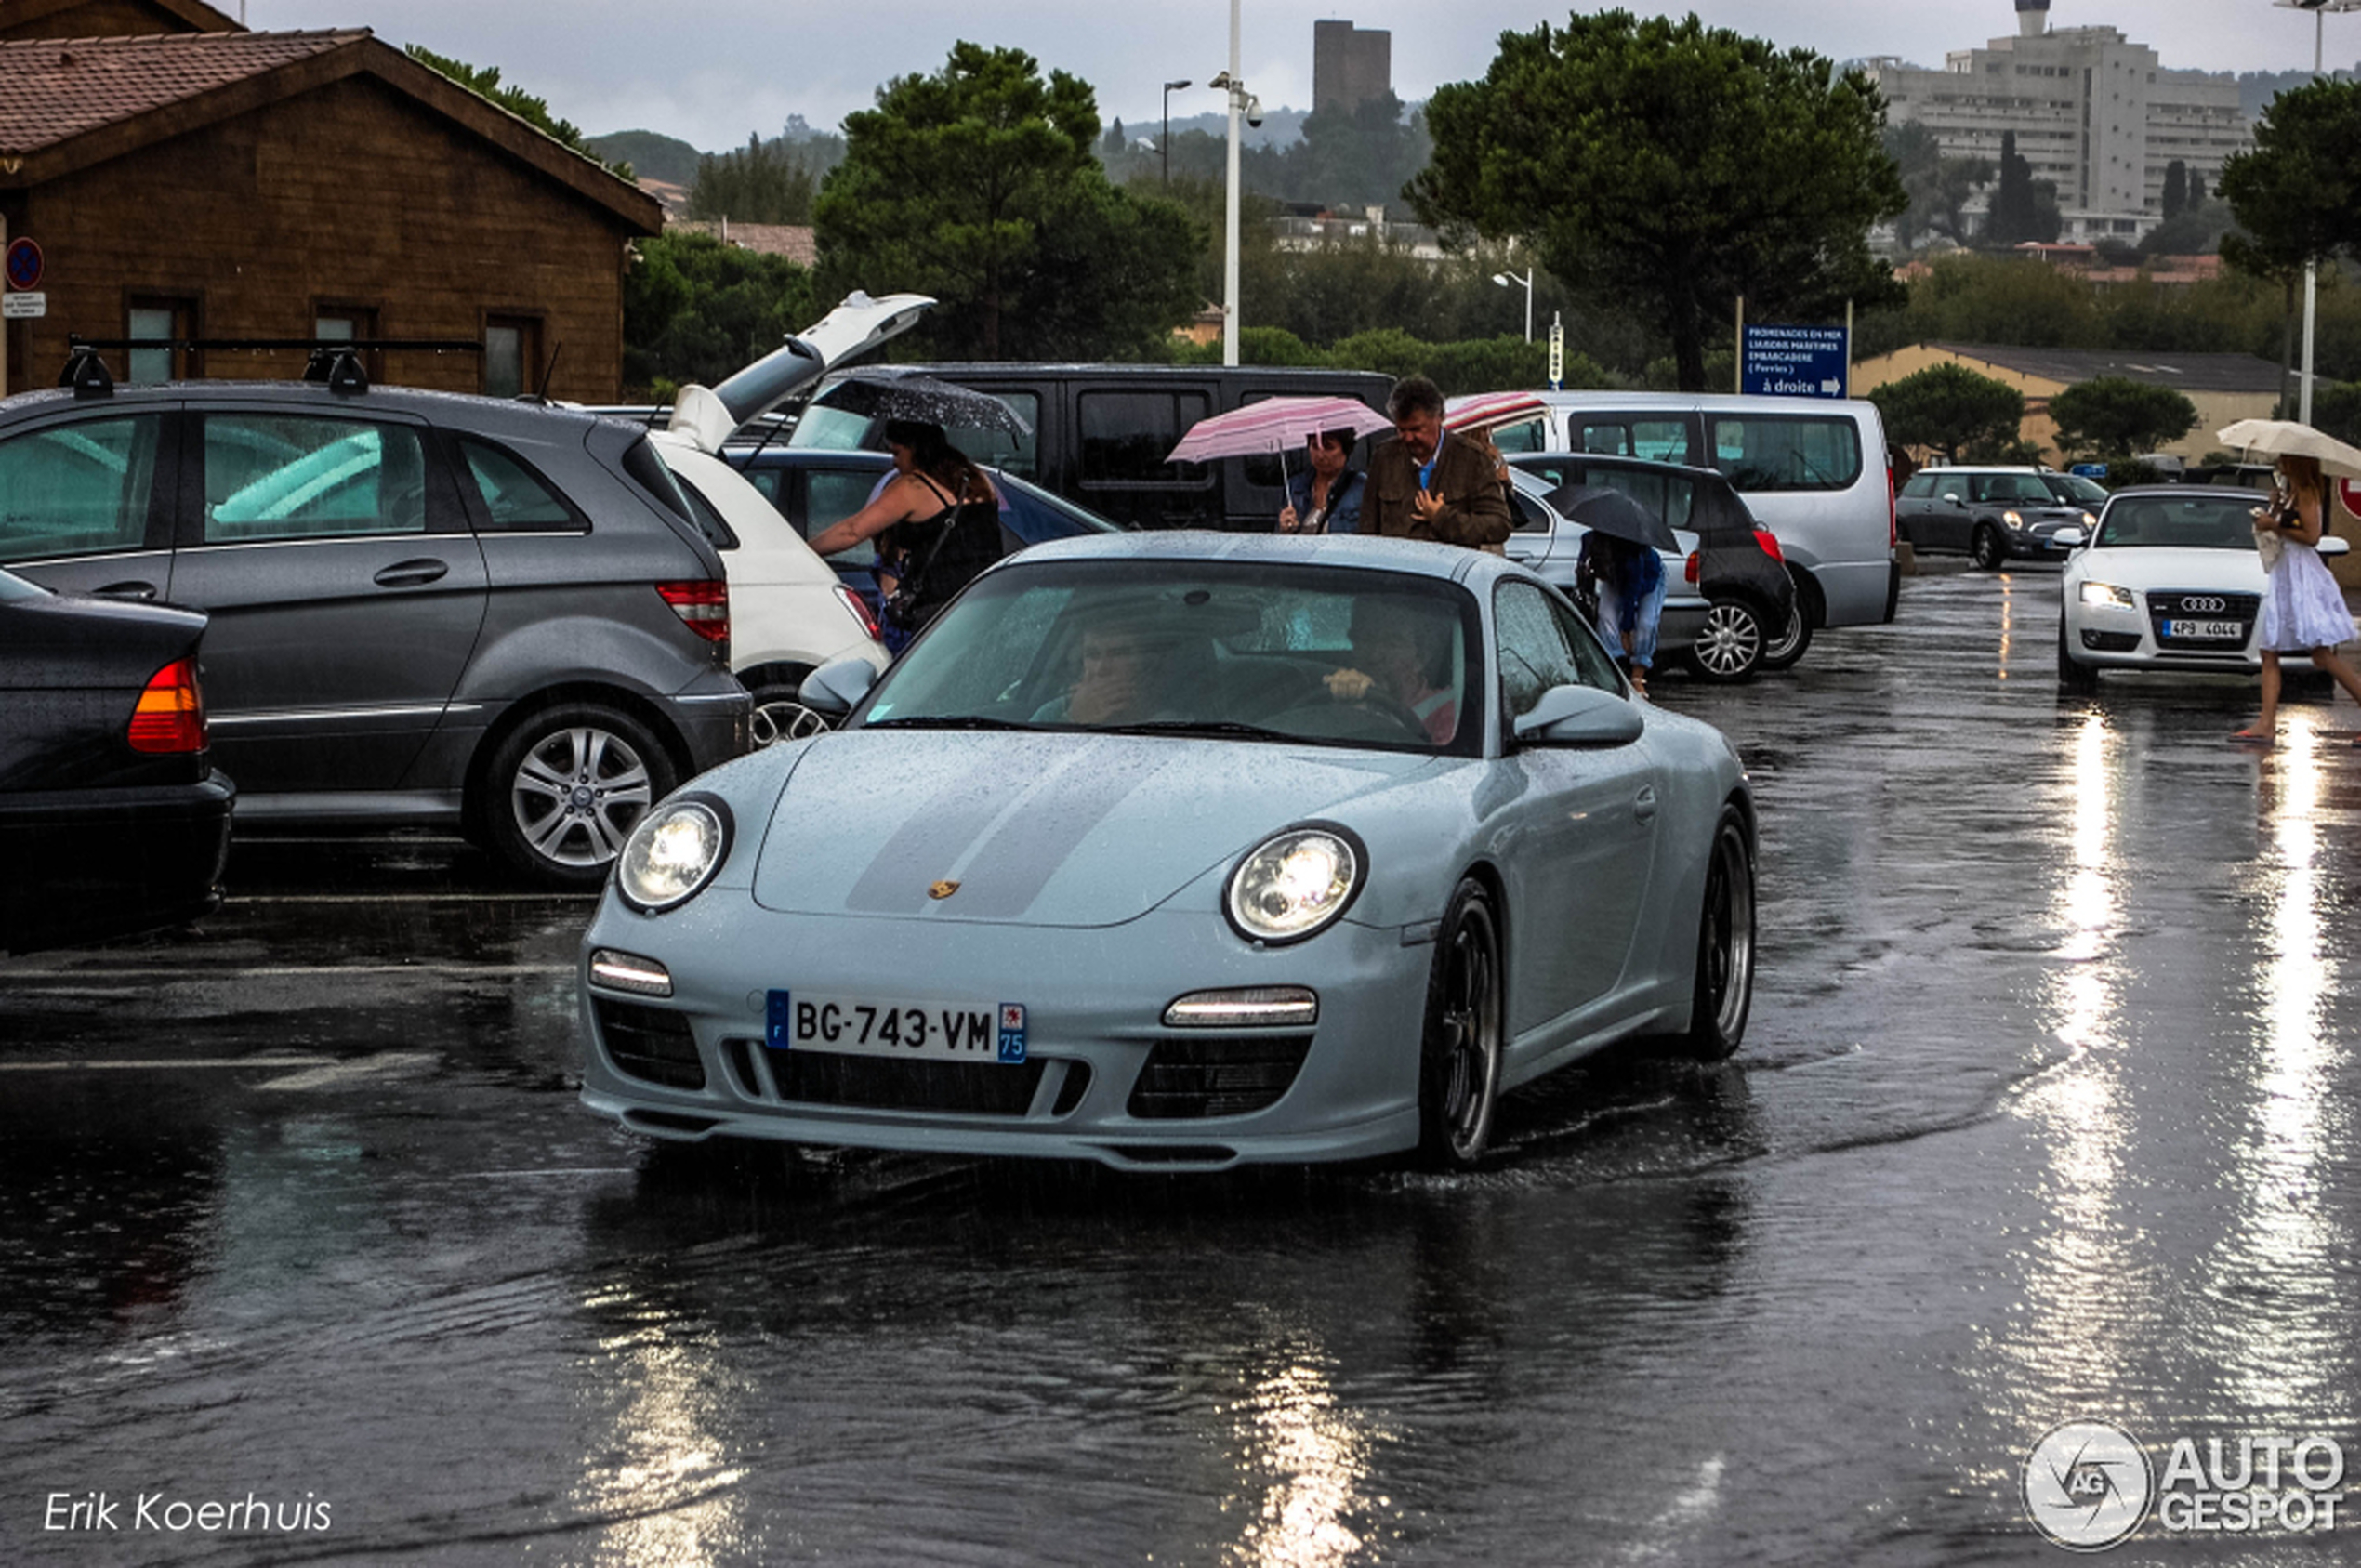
{"points": [[2044, 1113]]}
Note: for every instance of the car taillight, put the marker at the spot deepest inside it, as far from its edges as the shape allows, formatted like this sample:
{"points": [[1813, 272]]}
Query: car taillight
{"points": [[852, 601], [1696, 560], [1770, 544], [170, 715], [704, 607]]}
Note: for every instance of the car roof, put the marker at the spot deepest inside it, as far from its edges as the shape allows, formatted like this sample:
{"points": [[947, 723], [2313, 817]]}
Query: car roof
{"points": [[2180, 493], [469, 410], [1609, 400], [1420, 556]]}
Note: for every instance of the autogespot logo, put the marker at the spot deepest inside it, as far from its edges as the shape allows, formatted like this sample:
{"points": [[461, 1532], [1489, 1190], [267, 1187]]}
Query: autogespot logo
{"points": [[2086, 1485]]}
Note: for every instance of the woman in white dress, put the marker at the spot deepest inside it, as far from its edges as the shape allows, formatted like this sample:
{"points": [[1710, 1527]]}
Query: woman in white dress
{"points": [[2304, 610]]}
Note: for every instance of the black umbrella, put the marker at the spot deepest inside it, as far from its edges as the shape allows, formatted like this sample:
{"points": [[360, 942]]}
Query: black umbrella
{"points": [[882, 394], [1614, 513]]}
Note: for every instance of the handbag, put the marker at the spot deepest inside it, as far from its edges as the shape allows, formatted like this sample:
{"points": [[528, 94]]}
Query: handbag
{"points": [[901, 609], [2269, 543]]}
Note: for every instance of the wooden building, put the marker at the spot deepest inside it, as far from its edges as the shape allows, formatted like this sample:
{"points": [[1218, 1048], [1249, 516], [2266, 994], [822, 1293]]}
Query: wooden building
{"points": [[109, 18], [224, 184]]}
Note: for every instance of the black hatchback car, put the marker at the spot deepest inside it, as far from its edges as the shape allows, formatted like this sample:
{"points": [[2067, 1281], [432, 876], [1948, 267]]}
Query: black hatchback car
{"points": [[1734, 609], [112, 819], [426, 607]]}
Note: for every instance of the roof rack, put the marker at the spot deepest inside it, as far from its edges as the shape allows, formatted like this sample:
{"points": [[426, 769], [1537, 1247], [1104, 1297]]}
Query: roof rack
{"points": [[336, 361]]}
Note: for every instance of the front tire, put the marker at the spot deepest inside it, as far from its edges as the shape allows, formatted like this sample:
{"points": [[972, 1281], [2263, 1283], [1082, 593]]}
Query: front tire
{"points": [[1461, 1047], [780, 716], [1988, 549], [1723, 991], [2079, 680], [565, 788], [1729, 645]]}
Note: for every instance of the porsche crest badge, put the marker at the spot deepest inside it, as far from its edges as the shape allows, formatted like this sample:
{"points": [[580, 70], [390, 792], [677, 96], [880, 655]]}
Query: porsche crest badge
{"points": [[942, 889]]}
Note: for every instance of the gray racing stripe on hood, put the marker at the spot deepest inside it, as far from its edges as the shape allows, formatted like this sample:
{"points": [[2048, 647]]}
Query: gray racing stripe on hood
{"points": [[1059, 793], [1015, 863]]}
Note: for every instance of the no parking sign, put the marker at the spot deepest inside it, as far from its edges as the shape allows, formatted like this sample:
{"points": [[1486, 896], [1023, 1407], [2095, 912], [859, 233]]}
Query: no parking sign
{"points": [[2349, 492], [24, 265]]}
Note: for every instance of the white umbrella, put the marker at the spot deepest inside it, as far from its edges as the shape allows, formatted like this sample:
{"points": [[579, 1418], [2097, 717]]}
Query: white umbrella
{"points": [[2279, 438]]}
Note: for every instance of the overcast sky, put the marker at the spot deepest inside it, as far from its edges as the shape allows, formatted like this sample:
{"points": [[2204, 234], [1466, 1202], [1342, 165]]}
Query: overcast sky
{"points": [[710, 71]]}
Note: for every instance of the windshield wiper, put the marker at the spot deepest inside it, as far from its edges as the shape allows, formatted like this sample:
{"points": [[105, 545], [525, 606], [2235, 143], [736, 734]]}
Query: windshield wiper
{"points": [[945, 721], [1193, 727]]}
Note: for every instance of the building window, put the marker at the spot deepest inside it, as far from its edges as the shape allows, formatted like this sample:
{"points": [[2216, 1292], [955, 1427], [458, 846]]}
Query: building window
{"points": [[511, 355], [350, 323], [152, 316]]}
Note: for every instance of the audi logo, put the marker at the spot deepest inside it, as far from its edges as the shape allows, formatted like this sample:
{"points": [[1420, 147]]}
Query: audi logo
{"points": [[2204, 603]]}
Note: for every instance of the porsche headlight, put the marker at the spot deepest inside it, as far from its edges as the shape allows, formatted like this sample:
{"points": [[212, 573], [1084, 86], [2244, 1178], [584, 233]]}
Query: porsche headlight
{"points": [[2108, 594], [673, 852], [1295, 884]]}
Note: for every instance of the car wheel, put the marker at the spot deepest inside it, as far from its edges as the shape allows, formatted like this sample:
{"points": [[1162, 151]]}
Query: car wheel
{"points": [[779, 714], [566, 787], [1987, 551], [1461, 1047], [1783, 651], [1724, 986], [2079, 678], [1729, 645]]}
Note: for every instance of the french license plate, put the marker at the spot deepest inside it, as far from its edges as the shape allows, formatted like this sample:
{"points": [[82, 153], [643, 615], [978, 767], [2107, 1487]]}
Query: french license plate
{"points": [[2205, 631], [881, 1026]]}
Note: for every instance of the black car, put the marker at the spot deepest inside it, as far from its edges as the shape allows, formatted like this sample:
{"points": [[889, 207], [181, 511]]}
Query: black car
{"points": [[112, 819], [1731, 611], [426, 609], [1992, 515]]}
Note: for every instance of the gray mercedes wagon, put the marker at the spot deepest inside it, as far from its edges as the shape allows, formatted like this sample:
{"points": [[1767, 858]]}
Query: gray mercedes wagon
{"points": [[426, 607]]}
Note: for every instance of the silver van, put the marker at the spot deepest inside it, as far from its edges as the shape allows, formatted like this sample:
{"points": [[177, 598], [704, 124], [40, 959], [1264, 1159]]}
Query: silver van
{"points": [[1812, 472]]}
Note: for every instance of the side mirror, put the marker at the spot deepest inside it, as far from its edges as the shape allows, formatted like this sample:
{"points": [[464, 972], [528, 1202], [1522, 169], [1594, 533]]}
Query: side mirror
{"points": [[2330, 545], [1952, 496], [1580, 716], [835, 689], [2072, 538]]}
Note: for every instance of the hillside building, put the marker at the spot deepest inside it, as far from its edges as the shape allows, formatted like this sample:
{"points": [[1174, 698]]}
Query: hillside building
{"points": [[2093, 112], [1350, 66]]}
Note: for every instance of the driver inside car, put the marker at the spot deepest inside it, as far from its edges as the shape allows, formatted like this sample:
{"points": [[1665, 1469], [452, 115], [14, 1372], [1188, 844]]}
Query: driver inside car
{"points": [[1403, 656]]}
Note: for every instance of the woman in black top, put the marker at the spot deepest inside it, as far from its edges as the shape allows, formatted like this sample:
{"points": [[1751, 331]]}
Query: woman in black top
{"points": [[937, 524]]}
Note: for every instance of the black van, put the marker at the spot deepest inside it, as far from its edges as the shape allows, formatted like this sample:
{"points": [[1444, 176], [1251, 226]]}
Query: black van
{"points": [[1100, 432]]}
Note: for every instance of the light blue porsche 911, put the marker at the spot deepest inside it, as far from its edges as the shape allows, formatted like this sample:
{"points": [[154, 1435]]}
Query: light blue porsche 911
{"points": [[1180, 850]]}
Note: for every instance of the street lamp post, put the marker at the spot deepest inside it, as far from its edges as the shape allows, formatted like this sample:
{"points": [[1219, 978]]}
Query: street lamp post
{"points": [[2320, 10], [1244, 104], [1507, 280], [1169, 88]]}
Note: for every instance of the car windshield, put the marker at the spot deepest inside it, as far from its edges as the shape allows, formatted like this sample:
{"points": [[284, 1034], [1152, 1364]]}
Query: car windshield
{"points": [[834, 430], [2203, 523], [2076, 490], [1228, 650]]}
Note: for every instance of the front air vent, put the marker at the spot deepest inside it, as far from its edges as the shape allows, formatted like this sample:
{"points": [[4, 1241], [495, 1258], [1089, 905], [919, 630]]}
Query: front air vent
{"points": [[649, 1044], [1230, 1076]]}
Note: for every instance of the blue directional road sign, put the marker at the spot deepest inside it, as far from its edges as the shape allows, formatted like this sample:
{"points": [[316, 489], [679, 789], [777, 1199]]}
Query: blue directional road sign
{"points": [[1795, 361]]}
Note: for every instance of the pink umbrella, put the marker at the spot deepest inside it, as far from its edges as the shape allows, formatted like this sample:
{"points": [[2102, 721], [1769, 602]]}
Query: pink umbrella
{"points": [[1274, 425], [1493, 410]]}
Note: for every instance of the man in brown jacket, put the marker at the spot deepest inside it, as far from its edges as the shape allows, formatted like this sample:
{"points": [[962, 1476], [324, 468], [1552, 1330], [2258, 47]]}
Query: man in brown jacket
{"points": [[1426, 483]]}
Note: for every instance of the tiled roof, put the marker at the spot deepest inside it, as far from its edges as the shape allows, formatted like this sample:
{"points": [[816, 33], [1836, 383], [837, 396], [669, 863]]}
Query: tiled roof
{"points": [[796, 242], [55, 89], [2188, 373]]}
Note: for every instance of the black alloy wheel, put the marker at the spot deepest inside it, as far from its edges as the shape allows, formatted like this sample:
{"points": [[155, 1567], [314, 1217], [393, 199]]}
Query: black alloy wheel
{"points": [[1724, 988], [1465, 1029], [1729, 645], [1783, 651], [567, 787], [1988, 549]]}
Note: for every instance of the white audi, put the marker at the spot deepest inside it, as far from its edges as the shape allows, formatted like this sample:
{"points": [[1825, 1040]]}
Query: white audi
{"points": [[2168, 580]]}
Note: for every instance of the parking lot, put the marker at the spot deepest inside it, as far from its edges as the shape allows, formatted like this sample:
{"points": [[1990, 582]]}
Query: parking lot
{"points": [[2044, 1114]]}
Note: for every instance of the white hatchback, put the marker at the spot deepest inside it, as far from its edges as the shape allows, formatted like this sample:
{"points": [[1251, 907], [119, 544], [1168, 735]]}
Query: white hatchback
{"points": [[2168, 580]]}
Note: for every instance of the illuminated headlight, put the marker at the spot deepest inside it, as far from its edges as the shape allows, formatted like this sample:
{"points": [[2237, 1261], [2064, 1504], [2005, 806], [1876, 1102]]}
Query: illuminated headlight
{"points": [[1256, 1006], [2015, 519], [1295, 884], [673, 852], [2089, 524], [628, 971], [2108, 594]]}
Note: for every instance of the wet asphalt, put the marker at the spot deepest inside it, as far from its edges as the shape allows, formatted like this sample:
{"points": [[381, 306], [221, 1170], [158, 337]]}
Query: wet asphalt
{"points": [[2046, 1114]]}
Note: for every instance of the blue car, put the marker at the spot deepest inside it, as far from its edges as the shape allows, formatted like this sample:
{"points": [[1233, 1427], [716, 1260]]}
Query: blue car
{"points": [[1177, 851], [814, 488]]}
